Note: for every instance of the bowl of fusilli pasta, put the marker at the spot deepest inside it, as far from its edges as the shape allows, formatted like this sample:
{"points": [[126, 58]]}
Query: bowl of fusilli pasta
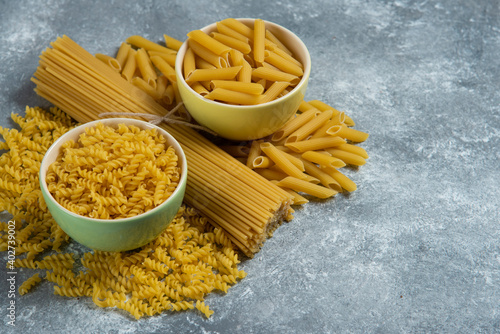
{"points": [[114, 184]]}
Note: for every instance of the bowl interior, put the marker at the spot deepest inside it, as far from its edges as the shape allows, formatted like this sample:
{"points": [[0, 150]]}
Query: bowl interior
{"points": [[247, 122], [113, 234]]}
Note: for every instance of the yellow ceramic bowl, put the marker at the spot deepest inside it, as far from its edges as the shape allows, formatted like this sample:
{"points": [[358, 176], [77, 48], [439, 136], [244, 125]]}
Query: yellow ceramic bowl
{"points": [[114, 234], [247, 122]]}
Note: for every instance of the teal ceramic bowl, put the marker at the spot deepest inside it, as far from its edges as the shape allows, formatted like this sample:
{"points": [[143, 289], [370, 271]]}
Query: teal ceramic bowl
{"points": [[246, 122], [114, 235]]}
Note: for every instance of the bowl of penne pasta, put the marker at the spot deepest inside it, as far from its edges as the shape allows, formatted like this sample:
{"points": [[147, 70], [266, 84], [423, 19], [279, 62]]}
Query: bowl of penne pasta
{"points": [[114, 184], [242, 78]]}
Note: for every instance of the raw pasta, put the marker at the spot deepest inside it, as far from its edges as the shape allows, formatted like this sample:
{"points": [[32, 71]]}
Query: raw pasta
{"points": [[112, 173], [235, 44]]}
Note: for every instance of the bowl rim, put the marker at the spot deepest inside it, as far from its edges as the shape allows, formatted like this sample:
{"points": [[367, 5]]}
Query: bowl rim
{"points": [[303, 80], [117, 120]]}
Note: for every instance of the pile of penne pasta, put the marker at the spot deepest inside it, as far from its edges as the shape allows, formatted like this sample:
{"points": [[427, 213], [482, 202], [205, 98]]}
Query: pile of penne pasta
{"points": [[148, 66], [239, 64], [305, 155]]}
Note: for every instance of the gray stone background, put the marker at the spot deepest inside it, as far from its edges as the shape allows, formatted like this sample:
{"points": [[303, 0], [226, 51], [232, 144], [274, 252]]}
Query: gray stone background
{"points": [[415, 249]]}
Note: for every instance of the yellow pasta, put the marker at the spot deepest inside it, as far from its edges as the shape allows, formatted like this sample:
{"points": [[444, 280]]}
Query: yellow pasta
{"points": [[142, 43], [207, 55], [232, 42], [323, 159], [122, 54], [348, 133], [348, 157], [306, 187], [294, 124], [208, 42], [112, 182], [261, 162], [189, 64], [275, 75], [314, 124], [144, 64], [213, 74], [238, 86], [218, 185], [233, 97], [354, 149], [110, 61], [273, 91], [315, 144], [130, 65], [283, 64], [259, 35], [172, 43], [26, 286], [279, 158], [235, 44], [345, 182]]}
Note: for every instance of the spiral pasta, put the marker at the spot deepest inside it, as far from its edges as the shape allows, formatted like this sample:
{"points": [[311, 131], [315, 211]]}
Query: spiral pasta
{"points": [[112, 173]]}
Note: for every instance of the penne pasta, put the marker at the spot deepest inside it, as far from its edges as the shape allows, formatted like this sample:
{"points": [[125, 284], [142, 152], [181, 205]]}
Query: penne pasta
{"points": [[208, 42], [122, 54], [335, 120], [259, 36], [239, 27], [213, 74], [314, 124], [345, 182], [348, 157], [238, 86], [189, 64], [271, 37], [130, 65], [262, 162], [323, 159], [354, 149], [168, 57], [275, 75], [274, 91], [165, 68], [172, 43], [225, 30], [253, 153], [281, 160], [145, 66], [110, 61], [306, 187], [143, 43], [207, 55], [282, 63], [324, 178], [295, 123], [233, 97], [315, 144], [232, 42], [347, 133]]}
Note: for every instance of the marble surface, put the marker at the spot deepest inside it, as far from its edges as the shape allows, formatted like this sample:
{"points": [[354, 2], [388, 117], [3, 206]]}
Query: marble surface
{"points": [[415, 249]]}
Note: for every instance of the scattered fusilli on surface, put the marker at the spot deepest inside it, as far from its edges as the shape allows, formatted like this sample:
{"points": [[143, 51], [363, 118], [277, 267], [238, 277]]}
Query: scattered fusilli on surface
{"points": [[174, 272]]}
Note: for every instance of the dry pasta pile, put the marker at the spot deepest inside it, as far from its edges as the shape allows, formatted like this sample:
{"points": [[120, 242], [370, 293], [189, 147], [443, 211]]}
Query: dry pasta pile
{"points": [[240, 64], [306, 154], [174, 272], [20, 192], [234, 198], [113, 173]]}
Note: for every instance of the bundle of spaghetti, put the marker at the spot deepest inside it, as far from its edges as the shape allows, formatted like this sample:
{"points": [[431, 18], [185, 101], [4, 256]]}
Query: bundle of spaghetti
{"points": [[236, 199]]}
